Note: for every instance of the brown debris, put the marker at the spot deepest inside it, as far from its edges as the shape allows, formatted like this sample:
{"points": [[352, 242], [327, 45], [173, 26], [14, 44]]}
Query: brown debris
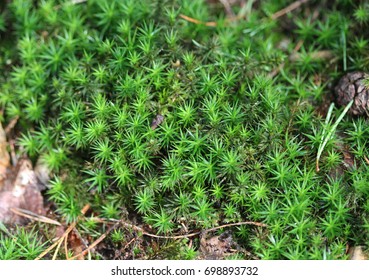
{"points": [[33, 216], [289, 8], [4, 156], [63, 238], [42, 172], [76, 243], [19, 187], [356, 253], [216, 247], [317, 55], [348, 157], [157, 121], [11, 125], [352, 87]]}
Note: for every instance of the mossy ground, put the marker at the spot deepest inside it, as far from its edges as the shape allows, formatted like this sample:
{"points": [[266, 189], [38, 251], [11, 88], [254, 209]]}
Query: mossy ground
{"points": [[179, 126]]}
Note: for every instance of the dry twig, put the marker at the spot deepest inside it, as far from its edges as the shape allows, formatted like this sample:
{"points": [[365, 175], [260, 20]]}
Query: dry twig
{"points": [[96, 242], [143, 232], [366, 159], [276, 15], [33, 216], [196, 21], [65, 235], [227, 7], [11, 124], [278, 69], [289, 8]]}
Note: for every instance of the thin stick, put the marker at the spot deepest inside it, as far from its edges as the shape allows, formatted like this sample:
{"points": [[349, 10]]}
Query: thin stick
{"points": [[102, 237], [227, 7], [278, 14], [236, 224], [129, 243], [33, 216], [48, 250], [196, 21], [190, 234], [278, 69], [84, 242], [60, 240], [11, 124], [66, 247], [366, 159], [248, 254], [289, 8], [96, 242], [13, 155], [298, 46]]}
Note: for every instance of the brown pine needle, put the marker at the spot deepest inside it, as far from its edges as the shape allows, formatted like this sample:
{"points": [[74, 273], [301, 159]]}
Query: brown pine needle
{"points": [[129, 243], [59, 242], [33, 216], [96, 242], [209, 23], [278, 69], [194, 233], [102, 237], [65, 235], [11, 124], [289, 8], [276, 15], [66, 247], [366, 159], [196, 21], [227, 7]]}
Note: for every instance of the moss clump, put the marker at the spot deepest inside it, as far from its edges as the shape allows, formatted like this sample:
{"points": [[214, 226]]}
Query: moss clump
{"points": [[193, 126], [20, 244]]}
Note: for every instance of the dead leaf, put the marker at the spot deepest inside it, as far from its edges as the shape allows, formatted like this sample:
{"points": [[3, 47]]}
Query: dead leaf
{"points": [[216, 247], [42, 173], [348, 157], [157, 121], [77, 245], [21, 189], [356, 253]]}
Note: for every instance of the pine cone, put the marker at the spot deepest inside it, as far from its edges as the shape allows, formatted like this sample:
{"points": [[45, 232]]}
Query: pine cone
{"points": [[352, 86]]}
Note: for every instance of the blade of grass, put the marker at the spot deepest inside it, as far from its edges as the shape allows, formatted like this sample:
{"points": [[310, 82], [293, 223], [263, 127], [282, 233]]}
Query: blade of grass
{"points": [[329, 114], [331, 131], [344, 49]]}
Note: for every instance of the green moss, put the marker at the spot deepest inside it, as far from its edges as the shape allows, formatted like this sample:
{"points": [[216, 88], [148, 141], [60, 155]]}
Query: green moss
{"points": [[188, 125], [20, 244]]}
